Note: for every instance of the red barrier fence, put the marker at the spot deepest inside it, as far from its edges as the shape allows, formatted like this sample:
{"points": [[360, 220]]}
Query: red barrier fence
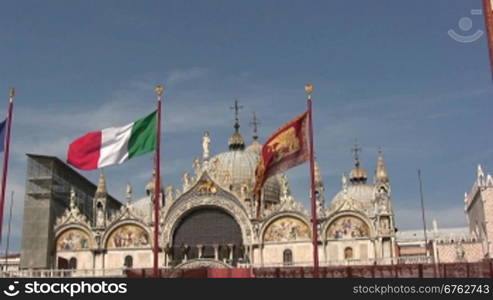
{"points": [[483, 269], [192, 273]]}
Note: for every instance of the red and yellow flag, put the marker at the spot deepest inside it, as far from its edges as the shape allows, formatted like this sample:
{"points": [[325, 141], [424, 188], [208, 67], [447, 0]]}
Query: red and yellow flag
{"points": [[286, 148]]}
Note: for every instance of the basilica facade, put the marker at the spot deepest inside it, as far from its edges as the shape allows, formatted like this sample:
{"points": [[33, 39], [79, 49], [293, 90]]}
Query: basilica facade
{"points": [[211, 220]]}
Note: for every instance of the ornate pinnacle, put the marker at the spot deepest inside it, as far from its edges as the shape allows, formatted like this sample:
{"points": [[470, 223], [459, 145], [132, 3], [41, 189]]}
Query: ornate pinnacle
{"points": [[381, 172], [309, 90], [101, 189]]}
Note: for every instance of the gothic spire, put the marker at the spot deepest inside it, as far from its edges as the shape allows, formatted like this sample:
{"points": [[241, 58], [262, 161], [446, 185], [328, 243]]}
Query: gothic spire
{"points": [[101, 190]]}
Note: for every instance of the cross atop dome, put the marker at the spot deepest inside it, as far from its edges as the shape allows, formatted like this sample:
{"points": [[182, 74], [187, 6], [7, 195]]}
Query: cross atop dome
{"points": [[236, 108], [255, 123], [236, 141], [356, 151], [358, 174]]}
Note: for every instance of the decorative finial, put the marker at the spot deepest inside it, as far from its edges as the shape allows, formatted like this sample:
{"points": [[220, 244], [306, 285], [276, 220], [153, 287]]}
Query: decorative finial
{"points": [[159, 90], [255, 123], [381, 172], [308, 89]]}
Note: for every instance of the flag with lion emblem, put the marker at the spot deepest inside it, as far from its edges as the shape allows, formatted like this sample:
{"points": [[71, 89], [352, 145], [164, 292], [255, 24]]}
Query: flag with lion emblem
{"points": [[286, 148]]}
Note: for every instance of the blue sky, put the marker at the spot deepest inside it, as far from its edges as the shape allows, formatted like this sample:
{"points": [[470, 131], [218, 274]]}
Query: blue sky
{"points": [[385, 73]]}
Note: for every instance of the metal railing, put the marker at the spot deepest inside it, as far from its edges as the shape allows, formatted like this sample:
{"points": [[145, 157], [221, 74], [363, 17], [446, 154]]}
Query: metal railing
{"points": [[57, 273], [120, 272], [402, 260]]}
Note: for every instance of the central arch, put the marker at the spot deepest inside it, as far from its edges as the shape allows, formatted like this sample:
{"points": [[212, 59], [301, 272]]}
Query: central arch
{"points": [[207, 233]]}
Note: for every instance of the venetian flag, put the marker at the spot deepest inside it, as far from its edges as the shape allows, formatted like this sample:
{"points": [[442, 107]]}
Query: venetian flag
{"points": [[286, 148], [113, 145]]}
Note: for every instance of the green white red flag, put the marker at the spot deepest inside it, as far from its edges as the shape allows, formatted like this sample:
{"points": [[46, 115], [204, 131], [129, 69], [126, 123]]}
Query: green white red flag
{"points": [[114, 145]]}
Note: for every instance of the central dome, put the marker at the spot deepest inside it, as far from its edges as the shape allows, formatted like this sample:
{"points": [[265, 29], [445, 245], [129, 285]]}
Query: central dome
{"points": [[235, 170], [363, 193]]}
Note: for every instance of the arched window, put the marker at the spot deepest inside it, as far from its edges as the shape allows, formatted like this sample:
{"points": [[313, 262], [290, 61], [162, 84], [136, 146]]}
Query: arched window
{"points": [[348, 253], [72, 263], [129, 261], [209, 227], [287, 257]]}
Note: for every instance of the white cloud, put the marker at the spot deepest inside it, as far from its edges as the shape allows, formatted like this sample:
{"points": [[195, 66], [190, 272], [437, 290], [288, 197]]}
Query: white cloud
{"points": [[177, 77]]}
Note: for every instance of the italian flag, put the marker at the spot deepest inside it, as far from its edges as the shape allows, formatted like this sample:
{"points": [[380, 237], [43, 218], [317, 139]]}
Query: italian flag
{"points": [[113, 145]]}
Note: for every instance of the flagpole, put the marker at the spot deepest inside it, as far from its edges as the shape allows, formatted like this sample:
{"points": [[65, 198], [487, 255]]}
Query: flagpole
{"points": [[6, 158], [309, 90], [423, 211], [488, 22], [8, 230], [157, 189]]}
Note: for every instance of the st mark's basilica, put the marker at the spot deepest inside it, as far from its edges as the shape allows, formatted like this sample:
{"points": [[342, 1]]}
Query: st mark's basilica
{"points": [[210, 221]]}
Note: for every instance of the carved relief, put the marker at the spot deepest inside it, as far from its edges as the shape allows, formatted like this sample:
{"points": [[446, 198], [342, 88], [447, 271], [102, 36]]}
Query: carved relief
{"points": [[206, 186], [385, 225], [128, 212], [71, 216], [286, 229]]}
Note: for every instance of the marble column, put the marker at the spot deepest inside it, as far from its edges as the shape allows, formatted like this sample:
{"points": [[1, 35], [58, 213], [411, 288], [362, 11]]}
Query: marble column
{"points": [[200, 250], [216, 251], [230, 250]]}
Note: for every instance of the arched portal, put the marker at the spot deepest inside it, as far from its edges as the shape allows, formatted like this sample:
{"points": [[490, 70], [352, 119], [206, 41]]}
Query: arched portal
{"points": [[208, 233]]}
